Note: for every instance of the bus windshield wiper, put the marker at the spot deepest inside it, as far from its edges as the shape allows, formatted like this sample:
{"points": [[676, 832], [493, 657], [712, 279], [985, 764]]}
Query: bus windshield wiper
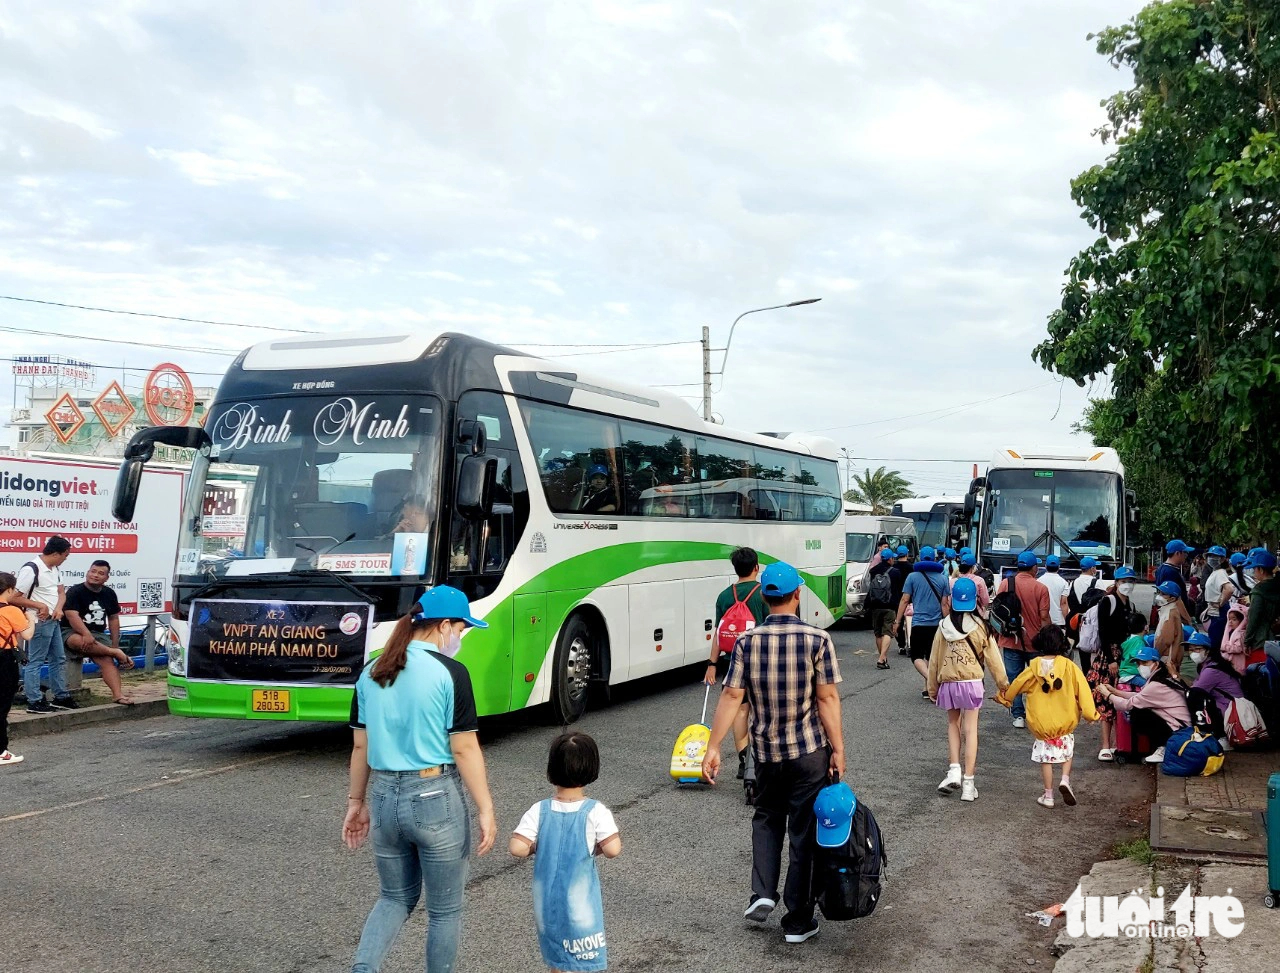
{"points": [[320, 554], [343, 582]]}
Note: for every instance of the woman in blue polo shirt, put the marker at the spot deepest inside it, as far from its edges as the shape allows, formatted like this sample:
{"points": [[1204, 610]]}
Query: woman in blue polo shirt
{"points": [[414, 723]]}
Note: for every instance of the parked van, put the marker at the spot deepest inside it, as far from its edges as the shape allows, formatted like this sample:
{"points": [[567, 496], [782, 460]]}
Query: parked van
{"points": [[864, 535]]}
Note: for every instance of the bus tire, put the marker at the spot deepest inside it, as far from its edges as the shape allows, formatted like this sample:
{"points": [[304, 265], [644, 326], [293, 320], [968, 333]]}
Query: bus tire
{"points": [[577, 650]]}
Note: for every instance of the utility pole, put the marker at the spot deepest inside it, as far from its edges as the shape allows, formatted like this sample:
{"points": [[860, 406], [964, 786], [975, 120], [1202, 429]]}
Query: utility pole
{"points": [[706, 374]]}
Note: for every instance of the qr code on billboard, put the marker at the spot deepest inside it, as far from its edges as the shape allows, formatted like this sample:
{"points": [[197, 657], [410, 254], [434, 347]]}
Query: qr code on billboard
{"points": [[150, 596]]}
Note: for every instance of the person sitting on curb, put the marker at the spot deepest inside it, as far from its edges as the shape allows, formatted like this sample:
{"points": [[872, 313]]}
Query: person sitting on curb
{"points": [[1158, 708], [91, 628]]}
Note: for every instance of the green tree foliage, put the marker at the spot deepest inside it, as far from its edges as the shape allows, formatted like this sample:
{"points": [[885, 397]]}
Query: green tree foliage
{"points": [[1179, 297], [878, 490]]}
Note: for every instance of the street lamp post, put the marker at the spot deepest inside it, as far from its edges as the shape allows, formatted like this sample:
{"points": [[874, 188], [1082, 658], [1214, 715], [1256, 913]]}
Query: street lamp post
{"points": [[707, 349]]}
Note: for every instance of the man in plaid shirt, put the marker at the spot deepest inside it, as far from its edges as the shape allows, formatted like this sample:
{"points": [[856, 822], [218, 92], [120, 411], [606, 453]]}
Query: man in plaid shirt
{"points": [[787, 671]]}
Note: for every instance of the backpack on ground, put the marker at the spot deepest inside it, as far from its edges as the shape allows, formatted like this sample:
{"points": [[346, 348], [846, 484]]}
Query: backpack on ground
{"points": [[1243, 723], [847, 880], [1190, 753], [1006, 611], [880, 589], [1261, 685], [738, 620]]}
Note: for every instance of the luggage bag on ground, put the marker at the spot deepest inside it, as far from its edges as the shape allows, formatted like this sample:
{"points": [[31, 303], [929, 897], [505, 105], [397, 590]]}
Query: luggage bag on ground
{"points": [[1272, 899], [1191, 753], [847, 881], [690, 748], [1130, 747]]}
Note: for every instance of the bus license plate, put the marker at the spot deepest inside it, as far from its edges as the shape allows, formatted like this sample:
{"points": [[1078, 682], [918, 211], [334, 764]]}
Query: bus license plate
{"points": [[270, 701]]}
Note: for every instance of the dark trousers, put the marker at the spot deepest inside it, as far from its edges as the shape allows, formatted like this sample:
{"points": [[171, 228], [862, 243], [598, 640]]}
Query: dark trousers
{"points": [[1144, 721], [784, 805], [10, 677]]}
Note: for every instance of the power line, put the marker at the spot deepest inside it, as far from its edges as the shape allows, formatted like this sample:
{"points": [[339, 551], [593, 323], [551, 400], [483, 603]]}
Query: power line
{"points": [[943, 409], [148, 314], [660, 344], [120, 341]]}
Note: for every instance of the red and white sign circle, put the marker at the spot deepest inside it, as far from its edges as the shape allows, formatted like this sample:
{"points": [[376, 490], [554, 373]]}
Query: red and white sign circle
{"points": [[168, 396], [350, 624]]}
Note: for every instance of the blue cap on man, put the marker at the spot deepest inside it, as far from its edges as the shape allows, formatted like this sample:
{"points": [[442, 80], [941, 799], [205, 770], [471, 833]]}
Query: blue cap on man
{"points": [[1088, 563], [1053, 561], [904, 551], [780, 579], [1178, 547], [927, 553], [1028, 559], [967, 560], [1263, 559], [949, 553]]}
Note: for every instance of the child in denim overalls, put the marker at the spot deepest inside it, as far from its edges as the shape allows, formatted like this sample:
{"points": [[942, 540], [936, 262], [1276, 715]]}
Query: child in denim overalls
{"points": [[564, 834]]}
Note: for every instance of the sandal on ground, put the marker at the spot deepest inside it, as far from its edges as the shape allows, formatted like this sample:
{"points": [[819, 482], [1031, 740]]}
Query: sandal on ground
{"points": [[882, 665], [122, 701], [1107, 755]]}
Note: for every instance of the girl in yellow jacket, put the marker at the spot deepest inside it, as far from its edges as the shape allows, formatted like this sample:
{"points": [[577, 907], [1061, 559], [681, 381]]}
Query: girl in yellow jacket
{"points": [[962, 649], [1057, 696]]}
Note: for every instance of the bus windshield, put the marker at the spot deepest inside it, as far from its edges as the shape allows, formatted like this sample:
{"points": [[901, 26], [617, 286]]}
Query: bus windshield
{"points": [[932, 525], [858, 548], [344, 483], [1062, 512]]}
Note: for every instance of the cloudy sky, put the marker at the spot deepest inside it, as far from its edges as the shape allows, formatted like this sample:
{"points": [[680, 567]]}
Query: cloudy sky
{"points": [[575, 173]]}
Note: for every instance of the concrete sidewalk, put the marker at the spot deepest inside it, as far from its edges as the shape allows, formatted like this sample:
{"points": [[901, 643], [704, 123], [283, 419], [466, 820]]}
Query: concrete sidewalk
{"points": [[149, 692], [1207, 833]]}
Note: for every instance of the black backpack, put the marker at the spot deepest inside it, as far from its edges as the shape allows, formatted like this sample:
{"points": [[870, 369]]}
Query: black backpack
{"points": [[880, 589], [1006, 611], [847, 880], [1261, 685], [1079, 604]]}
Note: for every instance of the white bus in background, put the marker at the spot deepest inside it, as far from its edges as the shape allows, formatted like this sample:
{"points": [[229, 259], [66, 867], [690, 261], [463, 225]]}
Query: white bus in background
{"points": [[1072, 504], [933, 517], [590, 522]]}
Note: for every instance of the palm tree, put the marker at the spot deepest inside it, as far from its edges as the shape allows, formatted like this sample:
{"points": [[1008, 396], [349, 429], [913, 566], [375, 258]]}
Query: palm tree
{"points": [[879, 490]]}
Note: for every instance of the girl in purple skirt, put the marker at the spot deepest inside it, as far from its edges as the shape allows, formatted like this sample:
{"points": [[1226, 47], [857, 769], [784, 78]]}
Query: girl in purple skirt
{"points": [[963, 650]]}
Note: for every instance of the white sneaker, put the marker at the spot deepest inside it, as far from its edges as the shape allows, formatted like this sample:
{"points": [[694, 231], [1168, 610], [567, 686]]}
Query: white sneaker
{"points": [[1019, 723], [759, 909], [969, 791], [1225, 743], [8, 759], [1155, 758], [951, 783], [1044, 801]]}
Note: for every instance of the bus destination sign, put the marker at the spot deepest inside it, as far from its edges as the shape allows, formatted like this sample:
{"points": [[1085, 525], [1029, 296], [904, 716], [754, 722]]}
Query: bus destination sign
{"points": [[311, 642]]}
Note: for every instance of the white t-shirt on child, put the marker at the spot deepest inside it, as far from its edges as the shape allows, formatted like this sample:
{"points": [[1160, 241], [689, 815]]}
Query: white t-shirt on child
{"points": [[600, 823]]}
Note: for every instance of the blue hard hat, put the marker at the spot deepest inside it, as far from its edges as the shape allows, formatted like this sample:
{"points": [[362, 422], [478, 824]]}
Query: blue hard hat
{"points": [[1053, 561], [445, 602], [780, 579], [1088, 562], [1124, 573], [927, 553], [1169, 588], [1028, 559], [964, 595], [967, 559], [1217, 551], [1148, 653], [1197, 638], [904, 551], [1178, 547], [833, 808], [1237, 559], [599, 469]]}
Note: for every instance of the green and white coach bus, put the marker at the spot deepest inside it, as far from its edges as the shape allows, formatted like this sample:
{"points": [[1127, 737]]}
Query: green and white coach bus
{"points": [[589, 522]]}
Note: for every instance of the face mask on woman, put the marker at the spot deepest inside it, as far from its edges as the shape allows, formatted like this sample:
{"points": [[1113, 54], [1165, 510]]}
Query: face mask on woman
{"points": [[1147, 670], [1160, 600], [1126, 589], [1215, 562], [1197, 658], [451, 642]]}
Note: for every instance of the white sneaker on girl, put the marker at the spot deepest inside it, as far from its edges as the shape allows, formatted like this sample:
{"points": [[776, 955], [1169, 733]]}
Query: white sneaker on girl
{"points": [[7, 759], [1044, 800], [951, 783], [969, 790]]}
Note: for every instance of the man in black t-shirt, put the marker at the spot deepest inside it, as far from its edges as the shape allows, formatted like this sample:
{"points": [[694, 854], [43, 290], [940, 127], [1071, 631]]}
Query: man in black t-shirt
{"points": [[91, 627]]}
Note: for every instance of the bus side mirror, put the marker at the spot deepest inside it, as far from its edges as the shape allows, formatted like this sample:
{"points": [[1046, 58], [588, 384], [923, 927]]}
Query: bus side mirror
{"points": [[471, 432], [970, 505], [139, 452], [477, 477]]}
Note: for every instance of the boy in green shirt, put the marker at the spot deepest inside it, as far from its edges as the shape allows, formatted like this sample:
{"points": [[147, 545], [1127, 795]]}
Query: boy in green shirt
{"points": [[1129, 648], [746, 564]]}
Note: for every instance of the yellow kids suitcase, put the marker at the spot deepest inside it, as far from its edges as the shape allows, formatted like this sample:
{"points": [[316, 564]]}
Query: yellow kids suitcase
{"points": [[690, 748]]}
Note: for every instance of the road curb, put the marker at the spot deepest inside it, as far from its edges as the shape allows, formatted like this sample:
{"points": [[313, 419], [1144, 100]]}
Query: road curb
{"points": [[108, 713]]}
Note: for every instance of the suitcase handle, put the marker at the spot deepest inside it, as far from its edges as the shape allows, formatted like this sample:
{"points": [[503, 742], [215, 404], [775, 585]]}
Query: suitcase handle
{"points": [[705, 697]]}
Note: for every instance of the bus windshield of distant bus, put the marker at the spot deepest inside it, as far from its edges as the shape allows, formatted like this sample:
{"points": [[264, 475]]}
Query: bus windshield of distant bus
{"points": [[1062, 512], [342, 483], [932, 522]]}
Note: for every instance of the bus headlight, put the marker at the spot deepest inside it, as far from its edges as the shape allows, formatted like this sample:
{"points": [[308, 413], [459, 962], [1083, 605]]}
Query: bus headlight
{"points": [[177, 658], [855, 585]]}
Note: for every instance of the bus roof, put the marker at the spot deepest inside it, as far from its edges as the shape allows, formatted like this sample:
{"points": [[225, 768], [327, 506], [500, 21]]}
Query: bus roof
{"points": [[920, 505], [595, 392], [1098, 458]]}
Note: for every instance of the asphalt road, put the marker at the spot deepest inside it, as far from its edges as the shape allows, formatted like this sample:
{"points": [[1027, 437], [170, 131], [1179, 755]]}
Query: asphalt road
{"points": [[170, 844]]}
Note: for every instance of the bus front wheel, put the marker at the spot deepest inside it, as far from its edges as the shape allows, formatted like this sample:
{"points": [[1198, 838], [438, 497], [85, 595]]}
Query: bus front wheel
{"points": [[576, 648]]}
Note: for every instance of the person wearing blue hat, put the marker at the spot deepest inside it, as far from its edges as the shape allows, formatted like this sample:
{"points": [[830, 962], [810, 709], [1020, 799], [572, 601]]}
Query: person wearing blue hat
{"points": [[949, 558], [1219, 590], [1171, 618], [789, 669], [963, 650], [1057, 586], [968, 568], [1264, 604], [1115, 624], [903, 564], [1173, 568], [1033, 599], [600, 496], [1158, 708], [926, 591], [1129, 648], [883, 583], [414, 725]]}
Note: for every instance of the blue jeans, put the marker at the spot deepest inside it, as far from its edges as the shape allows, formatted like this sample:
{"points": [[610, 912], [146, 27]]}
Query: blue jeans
{"points": [[45, 646], [1014, 662], [421, 837]]}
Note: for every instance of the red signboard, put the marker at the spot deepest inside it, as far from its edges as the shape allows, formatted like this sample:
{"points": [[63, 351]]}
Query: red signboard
{"points": [[168, 396], [65, 417], [113, 409]]}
